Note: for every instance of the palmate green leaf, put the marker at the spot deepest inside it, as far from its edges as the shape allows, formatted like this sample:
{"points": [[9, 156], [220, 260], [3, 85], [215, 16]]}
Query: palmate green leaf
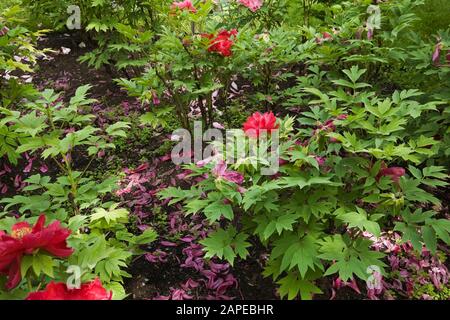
{"points": [[292, 284], [429, 237], [196, 205], [303, 182], [39, 263], [421, 228], [397, 96], [227, 244], [285, 222], [271, 222], [32, 144], [409, 233], [295, 251], [393, 126], [112, 264], [177, 194], [253, 195], [77, 222], [413, 193], [359, 220], [108, 268], [94, 253], [354, 73], [333, 248], [304, 158], [426, 177], [31, 124], [349, 260], [441, 228], [216, 210], [114, 214], [351, 141]]}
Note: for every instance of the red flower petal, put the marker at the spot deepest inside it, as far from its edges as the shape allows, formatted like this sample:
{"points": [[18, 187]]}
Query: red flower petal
{"points": [[58, 291], [257, 123], [26, 240]]}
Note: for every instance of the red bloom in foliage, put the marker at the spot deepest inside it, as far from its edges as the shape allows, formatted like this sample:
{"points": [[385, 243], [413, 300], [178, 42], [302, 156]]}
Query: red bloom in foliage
{"points": [[253, 5], [25, 239], [184, 5], [58, 291], [394, 172], [258, 122], [222, 43]]}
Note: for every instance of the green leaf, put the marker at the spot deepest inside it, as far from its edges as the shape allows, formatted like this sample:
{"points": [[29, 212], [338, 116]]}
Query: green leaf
{"points": [[116, 129], [415, 172], [111, 215], [303, 182], [42, 263], [216, 210], [226, 244], [349, 259], [359, 220], [31, 124], [291, 285], [295, 251], [148, 236], [79, 98], [354, 73], [429, 237], [442, 229]]}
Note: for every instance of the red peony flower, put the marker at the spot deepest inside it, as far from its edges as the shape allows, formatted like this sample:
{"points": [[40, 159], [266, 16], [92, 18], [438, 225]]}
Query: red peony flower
{"points": [[58, 291], [258, 122], [394, 172], [253, 5], [222, 43], [25, 239], [184, 5]]}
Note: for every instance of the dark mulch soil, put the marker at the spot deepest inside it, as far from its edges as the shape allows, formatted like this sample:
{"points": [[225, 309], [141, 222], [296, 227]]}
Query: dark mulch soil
{"points": [[61, 67]]}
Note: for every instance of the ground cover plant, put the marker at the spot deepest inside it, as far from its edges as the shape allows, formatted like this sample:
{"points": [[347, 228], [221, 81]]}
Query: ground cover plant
{"points": [[232, 149]]}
